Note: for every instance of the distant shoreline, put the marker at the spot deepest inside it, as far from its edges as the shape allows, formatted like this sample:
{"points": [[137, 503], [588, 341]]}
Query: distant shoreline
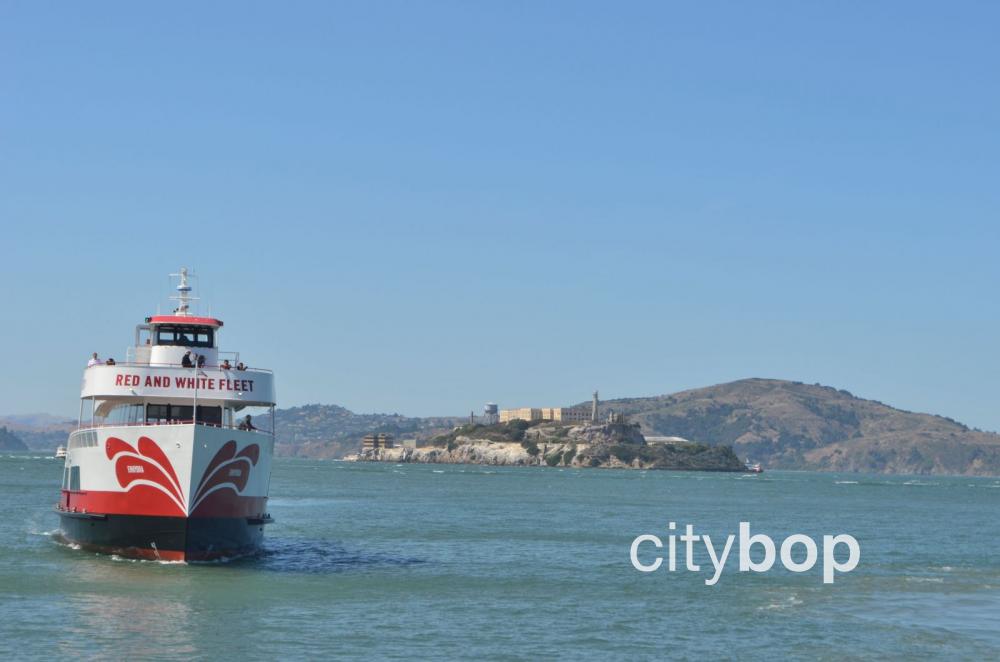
{"points": [[522, 443]]}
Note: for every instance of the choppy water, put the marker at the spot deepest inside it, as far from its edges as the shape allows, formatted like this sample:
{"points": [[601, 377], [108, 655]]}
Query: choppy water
{"points": [[506, 563]]}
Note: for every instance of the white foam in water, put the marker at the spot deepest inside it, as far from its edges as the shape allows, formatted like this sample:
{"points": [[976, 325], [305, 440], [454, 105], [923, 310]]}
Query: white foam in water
{"points": [[845, 482], [787, 603], [124, 559], [45, 534]]}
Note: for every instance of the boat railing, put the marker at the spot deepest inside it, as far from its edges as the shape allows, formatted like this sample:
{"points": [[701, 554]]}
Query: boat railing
{"points": [[132, 355], [178, 366], [91, 429]]}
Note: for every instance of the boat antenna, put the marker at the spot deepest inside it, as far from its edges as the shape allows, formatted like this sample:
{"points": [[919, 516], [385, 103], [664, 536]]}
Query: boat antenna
{"points": [[183, 296]]}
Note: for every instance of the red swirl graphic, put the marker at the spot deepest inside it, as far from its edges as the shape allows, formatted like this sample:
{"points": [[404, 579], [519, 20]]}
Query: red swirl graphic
{"points": [[227, 470], [147, 468]]}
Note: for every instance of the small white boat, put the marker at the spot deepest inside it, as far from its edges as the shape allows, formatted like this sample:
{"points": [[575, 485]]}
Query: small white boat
{"points": [[60, 452]]}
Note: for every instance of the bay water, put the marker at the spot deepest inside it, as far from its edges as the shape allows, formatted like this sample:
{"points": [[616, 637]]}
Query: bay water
{"points": [[498, 563]]}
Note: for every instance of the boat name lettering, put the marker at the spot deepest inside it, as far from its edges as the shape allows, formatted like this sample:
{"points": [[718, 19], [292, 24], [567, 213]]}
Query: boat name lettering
{"points": [[136, 469], [202, 383]]}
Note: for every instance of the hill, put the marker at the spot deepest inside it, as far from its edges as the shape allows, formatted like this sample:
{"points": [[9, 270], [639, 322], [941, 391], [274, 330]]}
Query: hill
{"points": [[10, 441], [791, 425], [330, 431], [783, 424], [39, 431]]}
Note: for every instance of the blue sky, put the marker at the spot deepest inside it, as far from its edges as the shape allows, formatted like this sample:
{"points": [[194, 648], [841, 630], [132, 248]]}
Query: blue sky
{"points": [[419, 207]]}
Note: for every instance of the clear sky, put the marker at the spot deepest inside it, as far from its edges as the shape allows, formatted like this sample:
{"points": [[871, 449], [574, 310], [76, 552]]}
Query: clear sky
{"points": [[423, 206]]}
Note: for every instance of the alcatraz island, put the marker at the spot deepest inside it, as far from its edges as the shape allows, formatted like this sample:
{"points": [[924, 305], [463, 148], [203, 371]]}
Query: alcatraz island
{"points": [[554, 437]]}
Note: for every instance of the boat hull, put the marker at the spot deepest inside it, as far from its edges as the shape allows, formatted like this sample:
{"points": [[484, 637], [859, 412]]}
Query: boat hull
{"points": [[164, 538], [173, 493]]}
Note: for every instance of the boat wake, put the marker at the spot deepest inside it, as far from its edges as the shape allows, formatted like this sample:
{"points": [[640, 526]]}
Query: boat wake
{"points": [[277, 555], [319, 557]]}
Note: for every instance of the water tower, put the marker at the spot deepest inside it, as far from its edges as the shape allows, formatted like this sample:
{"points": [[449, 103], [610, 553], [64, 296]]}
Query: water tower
{"points": [[491, 414]]}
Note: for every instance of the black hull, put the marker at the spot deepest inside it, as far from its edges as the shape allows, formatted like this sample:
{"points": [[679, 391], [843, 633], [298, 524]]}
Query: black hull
{"points": [[164, 538]]}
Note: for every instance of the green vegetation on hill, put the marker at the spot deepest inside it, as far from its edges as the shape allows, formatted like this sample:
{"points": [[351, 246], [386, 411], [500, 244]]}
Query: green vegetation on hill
{"points": [[10, 441], [329, 431], [509, 432], [681, 457]]}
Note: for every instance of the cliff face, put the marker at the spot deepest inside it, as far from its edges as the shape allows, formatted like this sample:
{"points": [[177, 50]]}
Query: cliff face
{"points": [[610, 446]]}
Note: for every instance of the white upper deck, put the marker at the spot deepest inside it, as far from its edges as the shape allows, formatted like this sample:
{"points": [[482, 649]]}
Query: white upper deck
{"points": [[156, 369], [172, 383]]}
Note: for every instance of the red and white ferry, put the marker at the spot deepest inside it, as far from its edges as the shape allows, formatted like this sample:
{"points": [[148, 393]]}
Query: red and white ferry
{"points": [[164, 464]]}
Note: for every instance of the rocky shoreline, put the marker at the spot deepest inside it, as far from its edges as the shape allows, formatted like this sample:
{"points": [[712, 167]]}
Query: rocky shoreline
{"points": [[619, 446]]}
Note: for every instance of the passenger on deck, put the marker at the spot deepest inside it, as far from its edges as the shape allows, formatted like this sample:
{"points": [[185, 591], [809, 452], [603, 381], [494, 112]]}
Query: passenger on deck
{"points": [[245, 424], [201, 360], [110, 361], [225, 365], [186, 361], [93, 360], [240, 366]]}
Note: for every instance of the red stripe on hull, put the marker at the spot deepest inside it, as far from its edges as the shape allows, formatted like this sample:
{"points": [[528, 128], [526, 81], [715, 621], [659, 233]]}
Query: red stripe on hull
{"points": [[146, 500], [140, 500]]}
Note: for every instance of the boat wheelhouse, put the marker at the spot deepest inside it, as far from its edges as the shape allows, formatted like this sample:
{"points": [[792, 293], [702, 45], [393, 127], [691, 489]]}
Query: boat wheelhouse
{"points": [[165, 462]]}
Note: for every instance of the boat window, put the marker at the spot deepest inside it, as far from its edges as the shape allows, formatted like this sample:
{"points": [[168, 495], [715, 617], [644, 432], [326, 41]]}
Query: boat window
{"points": [[159, 414], [181, 413], [74, 479], [129, 414], [185, 336], [210, 415]]}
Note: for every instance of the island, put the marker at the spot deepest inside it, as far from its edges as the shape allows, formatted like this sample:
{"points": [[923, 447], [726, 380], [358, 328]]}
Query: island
{"points": [[554, 444]]}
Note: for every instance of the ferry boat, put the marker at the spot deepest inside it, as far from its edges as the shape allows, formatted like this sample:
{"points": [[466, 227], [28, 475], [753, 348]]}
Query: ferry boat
{"points": [[165, 463], [60, 452], [754, 467]]}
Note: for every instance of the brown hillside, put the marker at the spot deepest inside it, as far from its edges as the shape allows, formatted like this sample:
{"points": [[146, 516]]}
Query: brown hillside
{"points": [[800, 426]]}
